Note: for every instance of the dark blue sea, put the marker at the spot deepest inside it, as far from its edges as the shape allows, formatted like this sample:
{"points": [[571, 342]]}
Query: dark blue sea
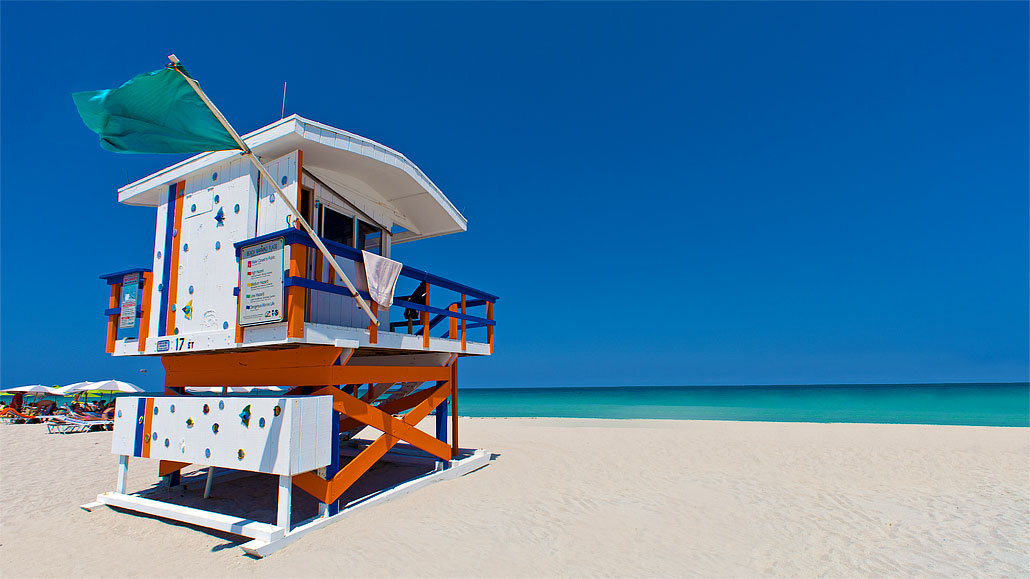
{"points": [[968, 404]]}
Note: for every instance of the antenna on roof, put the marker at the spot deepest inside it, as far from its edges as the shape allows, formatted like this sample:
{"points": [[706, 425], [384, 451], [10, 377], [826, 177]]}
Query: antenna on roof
{"points": [[283, 113]]}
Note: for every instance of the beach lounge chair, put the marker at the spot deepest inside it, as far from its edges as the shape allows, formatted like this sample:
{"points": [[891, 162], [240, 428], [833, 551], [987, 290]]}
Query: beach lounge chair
{"points": [[74, 424], [11, 416]]}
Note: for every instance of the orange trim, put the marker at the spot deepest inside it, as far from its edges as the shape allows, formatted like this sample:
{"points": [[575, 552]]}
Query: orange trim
{"points": [[463, 321], [166, 467], [425, 322], [296, 295], [373, 329], [112, 321], [148, 419], [490, 329], [172, 284], [144, 328]]}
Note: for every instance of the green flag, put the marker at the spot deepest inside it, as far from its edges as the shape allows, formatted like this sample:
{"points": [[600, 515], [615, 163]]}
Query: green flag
{"points": [[155, 112]]}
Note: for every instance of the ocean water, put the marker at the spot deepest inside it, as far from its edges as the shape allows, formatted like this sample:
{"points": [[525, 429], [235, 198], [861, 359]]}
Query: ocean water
{"points": [[966, 404]]}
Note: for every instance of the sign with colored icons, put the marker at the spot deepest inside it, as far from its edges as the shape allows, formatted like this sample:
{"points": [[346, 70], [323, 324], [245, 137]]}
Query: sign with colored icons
{"points": [[262, 280]]}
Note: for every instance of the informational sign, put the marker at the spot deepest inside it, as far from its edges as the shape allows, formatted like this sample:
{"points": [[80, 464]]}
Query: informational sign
{"points": [[130, 295], [262, 288]]}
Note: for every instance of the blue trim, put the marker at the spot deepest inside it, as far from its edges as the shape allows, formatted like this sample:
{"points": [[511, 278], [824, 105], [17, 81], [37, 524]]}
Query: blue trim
{"points": [[118, 312], [441, 421], [116, 277], [166, 266], [342, 290], [291, 236], [141, 409]]}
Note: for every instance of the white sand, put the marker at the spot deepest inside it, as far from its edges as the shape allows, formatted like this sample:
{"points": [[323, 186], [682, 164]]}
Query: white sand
{"points": [[581, 498]]}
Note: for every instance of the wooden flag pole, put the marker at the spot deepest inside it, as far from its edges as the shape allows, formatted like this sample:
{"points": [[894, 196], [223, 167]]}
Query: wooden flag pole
{"points": [[264, 173]]}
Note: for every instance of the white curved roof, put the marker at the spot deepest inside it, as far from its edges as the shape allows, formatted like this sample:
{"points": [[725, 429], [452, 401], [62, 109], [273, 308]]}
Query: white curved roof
{"points": [[350, 164]]}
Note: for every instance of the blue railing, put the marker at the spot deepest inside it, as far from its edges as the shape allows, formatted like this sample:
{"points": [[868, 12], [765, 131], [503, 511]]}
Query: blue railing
{"points": [[296, 236]]}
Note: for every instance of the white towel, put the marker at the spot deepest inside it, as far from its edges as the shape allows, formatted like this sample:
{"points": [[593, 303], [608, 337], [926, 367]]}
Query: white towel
{"points": [[381, 275]]}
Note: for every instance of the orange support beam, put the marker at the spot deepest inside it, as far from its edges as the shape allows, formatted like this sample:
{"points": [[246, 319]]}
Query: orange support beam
{"points": [[328, 491], [166, 467], [144, 323], [309, 366], [369, 415], [112, 321]]}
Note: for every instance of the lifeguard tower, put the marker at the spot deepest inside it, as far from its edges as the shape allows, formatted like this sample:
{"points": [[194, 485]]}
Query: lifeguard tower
{"points": [[239, 296]]}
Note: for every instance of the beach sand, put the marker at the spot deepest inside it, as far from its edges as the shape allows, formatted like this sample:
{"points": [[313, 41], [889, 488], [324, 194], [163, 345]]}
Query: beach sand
{"points": [[574, 497]]}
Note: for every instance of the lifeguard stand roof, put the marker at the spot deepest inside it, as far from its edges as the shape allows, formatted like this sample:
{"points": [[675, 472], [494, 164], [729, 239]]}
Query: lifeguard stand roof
{"points": [[358, 168]]}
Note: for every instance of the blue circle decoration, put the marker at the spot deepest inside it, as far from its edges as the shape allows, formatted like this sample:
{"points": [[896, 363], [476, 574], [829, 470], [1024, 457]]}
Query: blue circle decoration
{"points": [[191, 290], [176, 331], [236, 209], [216, 196], [207, 453], [225, 325], [218, 245], [185, 247], [214, 176], [193, 208], [283, 180]]}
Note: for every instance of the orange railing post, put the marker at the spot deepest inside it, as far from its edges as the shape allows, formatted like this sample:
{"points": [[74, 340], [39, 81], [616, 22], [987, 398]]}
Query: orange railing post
{"points": [[425, 322], [489, 328], [147, 279], [295, 299], [112, 321], [463, 322]]}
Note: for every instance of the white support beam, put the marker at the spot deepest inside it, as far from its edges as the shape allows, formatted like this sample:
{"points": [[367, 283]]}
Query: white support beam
{"points": [[285, 505], [208, 519], [123, 473]]}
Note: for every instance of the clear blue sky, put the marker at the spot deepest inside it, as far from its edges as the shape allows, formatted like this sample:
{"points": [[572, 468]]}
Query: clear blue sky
{"points": [[660, 193]]}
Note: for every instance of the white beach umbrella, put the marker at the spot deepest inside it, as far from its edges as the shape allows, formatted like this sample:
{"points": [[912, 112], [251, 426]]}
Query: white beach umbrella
{"points": [[34, 389], [70, 388], [109, 386], [231, 389]]}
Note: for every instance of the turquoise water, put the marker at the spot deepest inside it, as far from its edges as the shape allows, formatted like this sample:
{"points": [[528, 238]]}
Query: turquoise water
{"points": [[968, 404]]}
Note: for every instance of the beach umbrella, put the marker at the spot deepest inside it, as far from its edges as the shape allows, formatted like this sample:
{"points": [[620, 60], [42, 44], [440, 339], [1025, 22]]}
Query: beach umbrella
{"points": [[231, 389], [107, 386], [33, 389]]}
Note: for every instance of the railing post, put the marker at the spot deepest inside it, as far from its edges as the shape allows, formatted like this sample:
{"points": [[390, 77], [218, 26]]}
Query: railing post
{"points": [[425, 322], [295, 298], [147, 281], [373, 329], [463, 322], [452, 328], [489, 328]]}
